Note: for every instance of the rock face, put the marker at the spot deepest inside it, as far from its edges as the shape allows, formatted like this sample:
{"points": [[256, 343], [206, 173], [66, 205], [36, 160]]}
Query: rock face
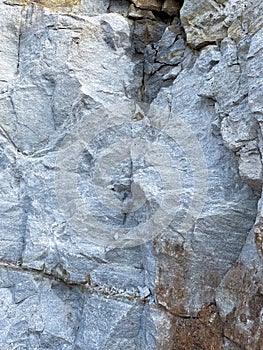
{"points": [[131, 175]]}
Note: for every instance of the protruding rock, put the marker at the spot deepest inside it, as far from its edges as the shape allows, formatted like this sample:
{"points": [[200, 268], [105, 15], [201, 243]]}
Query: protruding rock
{"points": [[148, 4], [203, 22], [171, 7], [137, 13]]}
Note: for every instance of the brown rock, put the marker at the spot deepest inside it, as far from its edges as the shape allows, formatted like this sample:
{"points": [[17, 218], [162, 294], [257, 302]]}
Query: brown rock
{"points": [[148, 4], [171, 283], [203, 332], [203, 22], [259, 234], [171, 7], [137, 13], [244, 290]]}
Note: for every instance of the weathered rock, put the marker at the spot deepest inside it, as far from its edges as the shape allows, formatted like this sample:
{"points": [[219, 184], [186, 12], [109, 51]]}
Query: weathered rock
{"points": [[9, 30], [204, 331], [130, 148], [148, 4], [136, 13], [146, 31], [240, 301], [203, 22], [171, 7]]}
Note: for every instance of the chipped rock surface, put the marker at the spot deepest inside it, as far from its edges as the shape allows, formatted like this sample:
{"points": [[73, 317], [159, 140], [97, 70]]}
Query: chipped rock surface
{"points": [[131, 215]]}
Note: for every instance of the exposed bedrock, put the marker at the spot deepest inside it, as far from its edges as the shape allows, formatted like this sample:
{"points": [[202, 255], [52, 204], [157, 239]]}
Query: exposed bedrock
{"points": [[130, 207]]}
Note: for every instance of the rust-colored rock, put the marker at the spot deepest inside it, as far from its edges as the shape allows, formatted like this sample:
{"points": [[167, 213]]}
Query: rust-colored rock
{"points": [[203, 332], [171, 284], [259, 234], [243, 324]]}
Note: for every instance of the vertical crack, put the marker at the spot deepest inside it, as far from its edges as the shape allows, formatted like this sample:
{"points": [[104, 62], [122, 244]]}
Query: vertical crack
{"points": [[159, 40]]}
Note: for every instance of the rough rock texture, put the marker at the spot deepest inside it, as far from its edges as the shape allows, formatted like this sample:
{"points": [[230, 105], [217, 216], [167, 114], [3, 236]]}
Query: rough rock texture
{"points": [[130, 207]]}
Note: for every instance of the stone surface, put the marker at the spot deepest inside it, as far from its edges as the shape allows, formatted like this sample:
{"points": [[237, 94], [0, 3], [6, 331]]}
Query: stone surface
{"points": [[148, 4], [131, 175], [203, 22]]}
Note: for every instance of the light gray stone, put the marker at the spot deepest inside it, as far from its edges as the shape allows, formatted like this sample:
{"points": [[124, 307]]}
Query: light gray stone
{"points": [[131, 175]]}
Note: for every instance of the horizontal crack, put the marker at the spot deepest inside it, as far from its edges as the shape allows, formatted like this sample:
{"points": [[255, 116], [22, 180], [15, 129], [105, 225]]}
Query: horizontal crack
{"points": [[84, 286], [183, 316]]}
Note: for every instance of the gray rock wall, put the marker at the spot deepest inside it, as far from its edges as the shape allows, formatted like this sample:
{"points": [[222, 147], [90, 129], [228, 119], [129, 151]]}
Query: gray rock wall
{"points": [[131, 174]]}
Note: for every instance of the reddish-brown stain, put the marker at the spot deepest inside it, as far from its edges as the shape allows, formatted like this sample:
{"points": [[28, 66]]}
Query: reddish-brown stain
{"points": [[204, 332]]}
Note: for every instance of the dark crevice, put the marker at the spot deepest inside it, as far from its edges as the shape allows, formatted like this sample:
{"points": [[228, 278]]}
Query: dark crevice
{"points": [[162, 16], [148, 43], [181, 316]]}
